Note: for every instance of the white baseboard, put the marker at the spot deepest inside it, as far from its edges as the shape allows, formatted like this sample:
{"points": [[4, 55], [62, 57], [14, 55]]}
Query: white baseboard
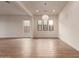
{"points": [[45, 37], [69, 44]]}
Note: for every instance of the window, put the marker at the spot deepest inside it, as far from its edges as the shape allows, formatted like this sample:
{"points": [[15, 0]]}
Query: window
{"points": [[39, 25], [45, 25], [50, 24], [26, 26]]}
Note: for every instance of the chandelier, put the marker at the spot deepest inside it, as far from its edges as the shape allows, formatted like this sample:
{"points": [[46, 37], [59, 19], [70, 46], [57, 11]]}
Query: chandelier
{"points": [[45, 17]]}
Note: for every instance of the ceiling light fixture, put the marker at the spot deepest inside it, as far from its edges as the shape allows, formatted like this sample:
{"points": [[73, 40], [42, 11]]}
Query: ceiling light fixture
{"points": [[45, 16], [53, 10], [37, 10]]}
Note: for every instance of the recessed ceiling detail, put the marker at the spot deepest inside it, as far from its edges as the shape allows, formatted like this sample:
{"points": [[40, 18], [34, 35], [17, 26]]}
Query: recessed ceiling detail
{"points": [[11, 8], [45, 7], [34, 7]]}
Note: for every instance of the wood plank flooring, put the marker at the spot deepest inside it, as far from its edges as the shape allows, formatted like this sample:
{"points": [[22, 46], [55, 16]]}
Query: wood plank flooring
{"points": [[37, 48]]}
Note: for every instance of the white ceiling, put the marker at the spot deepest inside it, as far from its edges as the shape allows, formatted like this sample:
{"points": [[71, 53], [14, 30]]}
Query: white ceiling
{"points": [[11, 8], [45, 9], [14, 8]]}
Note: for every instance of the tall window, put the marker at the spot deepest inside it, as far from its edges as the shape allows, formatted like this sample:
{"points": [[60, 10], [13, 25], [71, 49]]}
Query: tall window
{"points": [[50, 24], [39, 25], [26, 26], [45, 25]]}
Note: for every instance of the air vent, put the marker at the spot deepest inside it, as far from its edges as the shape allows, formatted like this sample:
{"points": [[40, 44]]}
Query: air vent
{"points": [[7, 2], [45, 3]]}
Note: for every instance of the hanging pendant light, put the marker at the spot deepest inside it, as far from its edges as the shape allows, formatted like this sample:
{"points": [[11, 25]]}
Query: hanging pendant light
{"points": [[45, 17]]}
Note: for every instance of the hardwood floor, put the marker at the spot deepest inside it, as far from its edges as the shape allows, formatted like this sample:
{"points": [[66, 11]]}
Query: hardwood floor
{"points": [[26, 47]]}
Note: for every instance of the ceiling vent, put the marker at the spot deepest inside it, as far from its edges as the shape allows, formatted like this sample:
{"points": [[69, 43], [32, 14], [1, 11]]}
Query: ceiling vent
{"points": [[7, 2]]}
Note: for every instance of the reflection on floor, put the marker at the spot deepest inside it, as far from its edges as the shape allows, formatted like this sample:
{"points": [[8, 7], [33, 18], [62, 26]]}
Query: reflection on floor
{"points": [[26, 47]]}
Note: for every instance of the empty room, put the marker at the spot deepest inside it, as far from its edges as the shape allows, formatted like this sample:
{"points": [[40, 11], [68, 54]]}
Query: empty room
{"points": [[39, 29]]}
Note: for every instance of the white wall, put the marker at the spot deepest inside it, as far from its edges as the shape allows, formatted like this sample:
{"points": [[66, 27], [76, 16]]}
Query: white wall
{"points": [[12, 26], [46, 33], [69, 24]]}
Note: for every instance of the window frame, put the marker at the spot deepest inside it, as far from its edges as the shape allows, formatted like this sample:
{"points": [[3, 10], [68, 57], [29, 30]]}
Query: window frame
{"points": [[26, 28], [39, 27], [45, 27]]}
